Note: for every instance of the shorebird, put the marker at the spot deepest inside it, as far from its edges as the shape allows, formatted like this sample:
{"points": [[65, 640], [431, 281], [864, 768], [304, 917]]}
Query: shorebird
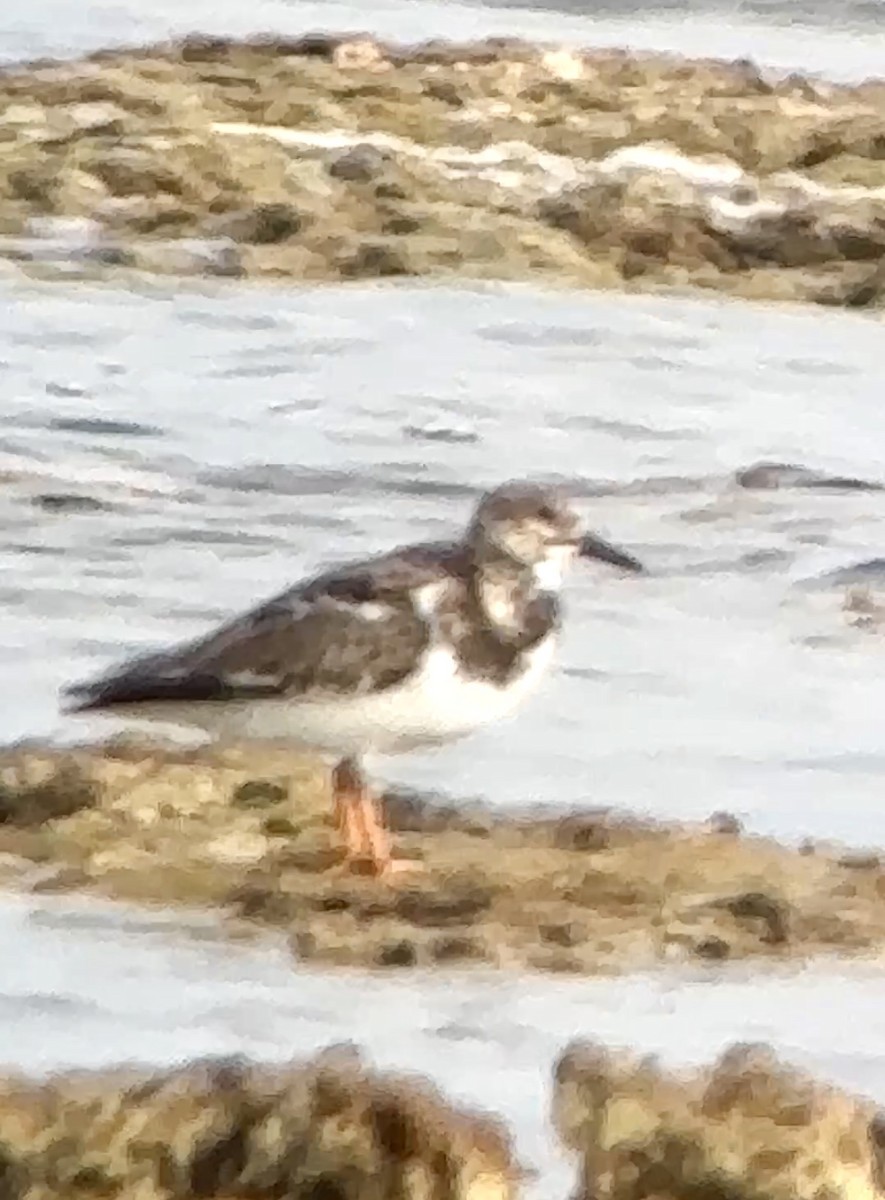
{"points": [[409, 649]]}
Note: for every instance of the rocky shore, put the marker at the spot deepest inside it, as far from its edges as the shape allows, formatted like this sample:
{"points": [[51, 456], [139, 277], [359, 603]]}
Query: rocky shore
{"points": [[330, 158], [747, 1128], [250, 834], [220, 1128]]}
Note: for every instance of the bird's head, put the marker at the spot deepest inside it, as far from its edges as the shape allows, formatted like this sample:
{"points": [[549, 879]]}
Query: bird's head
{"points": [[537, 527]]}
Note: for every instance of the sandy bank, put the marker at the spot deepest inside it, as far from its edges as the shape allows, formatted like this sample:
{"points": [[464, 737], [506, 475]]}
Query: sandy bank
{"points": [[336, 158], [747, 1128], [251, 835]]}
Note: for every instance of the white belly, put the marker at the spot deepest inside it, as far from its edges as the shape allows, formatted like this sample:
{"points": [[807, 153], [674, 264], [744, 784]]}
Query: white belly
{"points": [[438, 705]]}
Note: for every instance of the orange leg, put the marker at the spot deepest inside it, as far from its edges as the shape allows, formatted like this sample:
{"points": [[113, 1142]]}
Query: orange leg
{"points": [[376, 835], [364, 837], [349, 819], [361, 821]]}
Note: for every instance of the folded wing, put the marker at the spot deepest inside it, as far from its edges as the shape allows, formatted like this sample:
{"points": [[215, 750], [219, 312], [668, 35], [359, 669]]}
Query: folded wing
{"points": [[356, 632]]}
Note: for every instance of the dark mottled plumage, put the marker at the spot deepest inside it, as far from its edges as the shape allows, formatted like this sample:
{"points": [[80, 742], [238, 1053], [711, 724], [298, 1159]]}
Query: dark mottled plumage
{"points": [[408, 649], [362, 628], [350, 630]]}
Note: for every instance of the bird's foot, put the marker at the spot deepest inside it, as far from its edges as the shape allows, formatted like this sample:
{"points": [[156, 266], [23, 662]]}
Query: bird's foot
{"points": [[361, 821], [384, 868], [400, 866]]}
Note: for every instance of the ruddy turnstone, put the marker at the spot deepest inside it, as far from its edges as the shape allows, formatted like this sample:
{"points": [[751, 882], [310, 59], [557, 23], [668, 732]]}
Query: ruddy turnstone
{"points": [[408, 649]]}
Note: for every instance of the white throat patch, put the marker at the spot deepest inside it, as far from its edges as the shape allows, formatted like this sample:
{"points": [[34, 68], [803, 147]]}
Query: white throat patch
{"points": [[550, 573]]}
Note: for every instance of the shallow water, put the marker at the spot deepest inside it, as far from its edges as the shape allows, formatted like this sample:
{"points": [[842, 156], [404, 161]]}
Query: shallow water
{"points": [[220, 442], [102, 987], [842, 40], [231, 440]]}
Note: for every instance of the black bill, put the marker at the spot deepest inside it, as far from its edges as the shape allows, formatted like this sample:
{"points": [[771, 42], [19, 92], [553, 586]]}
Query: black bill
{"points": [[592, 546]]}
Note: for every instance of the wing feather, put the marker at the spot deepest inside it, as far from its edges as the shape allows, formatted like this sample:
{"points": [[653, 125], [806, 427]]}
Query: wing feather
{"points": [[354, 630]]}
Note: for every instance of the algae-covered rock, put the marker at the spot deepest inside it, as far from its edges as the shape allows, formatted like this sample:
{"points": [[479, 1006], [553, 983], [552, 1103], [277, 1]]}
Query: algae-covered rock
{"points": [[747, 1128], [226, 1128], [341, 157], [249, 831], [35, 790]]}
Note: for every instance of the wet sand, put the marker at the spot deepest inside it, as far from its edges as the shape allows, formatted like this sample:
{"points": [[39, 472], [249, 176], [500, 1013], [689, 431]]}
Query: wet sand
{"points": [[334, 158], [250, 834]]}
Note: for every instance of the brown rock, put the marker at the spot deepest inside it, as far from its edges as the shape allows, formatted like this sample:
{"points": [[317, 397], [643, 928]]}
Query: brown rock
{"points": [[262, 225], [375, 258], [850, 287], [358, 164], [31, 794], [220, 1128], [769, 911], [189, 139], [251, 832], [749, 1128]]}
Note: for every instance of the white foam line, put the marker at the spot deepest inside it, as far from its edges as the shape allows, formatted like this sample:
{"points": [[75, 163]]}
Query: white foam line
{"points": [[332, 140], [510, 164], [75, 473], [490, 162]]}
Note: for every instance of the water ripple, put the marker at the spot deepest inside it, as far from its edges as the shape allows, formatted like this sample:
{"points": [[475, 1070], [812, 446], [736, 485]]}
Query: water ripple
{"points": [[752, 496]]}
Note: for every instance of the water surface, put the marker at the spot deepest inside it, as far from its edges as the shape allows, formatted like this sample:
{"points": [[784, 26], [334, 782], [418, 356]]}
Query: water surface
{"points": [[226, 442], [167, 457], [841, 40], [101, 986]]}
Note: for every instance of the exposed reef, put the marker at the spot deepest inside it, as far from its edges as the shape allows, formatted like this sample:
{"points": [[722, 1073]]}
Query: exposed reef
{"points": [[249, 832], [330, 158], [226, 1128], [748, 1128]]}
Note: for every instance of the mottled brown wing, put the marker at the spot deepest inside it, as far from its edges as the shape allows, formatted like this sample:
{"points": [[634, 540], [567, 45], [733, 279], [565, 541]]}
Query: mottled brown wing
{"points": [[354, 630]]}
